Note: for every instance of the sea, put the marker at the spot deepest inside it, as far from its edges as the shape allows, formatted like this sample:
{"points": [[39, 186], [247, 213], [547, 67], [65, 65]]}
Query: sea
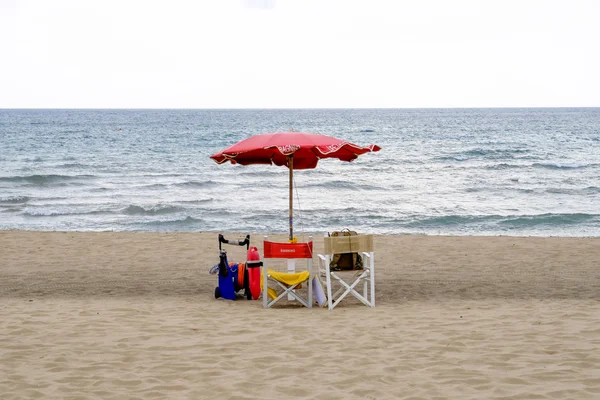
{"points": [[517, 172]]}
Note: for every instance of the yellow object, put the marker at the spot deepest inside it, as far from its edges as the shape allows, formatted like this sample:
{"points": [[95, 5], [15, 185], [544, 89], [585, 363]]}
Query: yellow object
{"points": [[294, 240], [287, 278]]}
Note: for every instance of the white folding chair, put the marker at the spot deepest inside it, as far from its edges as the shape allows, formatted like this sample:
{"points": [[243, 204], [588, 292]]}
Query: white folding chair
{"points": [[285, 284], [362, 244]]}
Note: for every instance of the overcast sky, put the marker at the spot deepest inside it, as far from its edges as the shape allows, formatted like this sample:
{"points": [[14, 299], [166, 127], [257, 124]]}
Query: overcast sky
{"points": [[299, 53]]}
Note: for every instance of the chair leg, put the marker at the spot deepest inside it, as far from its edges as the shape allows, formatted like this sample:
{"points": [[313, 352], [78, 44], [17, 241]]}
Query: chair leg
{"points": [[328, 277], [350, 290], [265, 286], [287, 291], [372, 278], [310, 286]]}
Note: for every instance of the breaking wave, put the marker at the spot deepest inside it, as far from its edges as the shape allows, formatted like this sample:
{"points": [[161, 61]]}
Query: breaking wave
{"points": [[158, 209], [14, 200], [46, 179]]}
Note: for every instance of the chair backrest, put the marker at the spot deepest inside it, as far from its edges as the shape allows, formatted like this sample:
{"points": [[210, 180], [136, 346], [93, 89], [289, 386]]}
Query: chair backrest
{"points": [[288, 250], [349, 244]]}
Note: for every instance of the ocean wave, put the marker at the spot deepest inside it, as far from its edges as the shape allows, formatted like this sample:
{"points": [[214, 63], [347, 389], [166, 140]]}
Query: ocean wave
{"points": [[451, 158], [74, 131], [14, 200], [73, 165], [448, 220], [260, 216], [331, 210], [549, 219], [59, 211], [592, 189], [177, 224], [185, 184], [197, 201], [556, 166], [490, 154], [339, 184], [41, 180], [155, 186], [36, 159], [496, 152], [218, 213], [260, 173], [261, 185], [561, 165], [502, 166], [158, 209], [100, 189], [202, 184], [507, 221], [553, 190]]}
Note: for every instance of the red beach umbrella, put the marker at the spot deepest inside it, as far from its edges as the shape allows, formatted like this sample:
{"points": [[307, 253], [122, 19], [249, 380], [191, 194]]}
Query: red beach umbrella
{"points": [[295, 150]]}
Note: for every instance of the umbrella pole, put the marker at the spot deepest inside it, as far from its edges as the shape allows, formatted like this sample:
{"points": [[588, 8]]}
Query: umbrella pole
{"points": [[291, 185]]}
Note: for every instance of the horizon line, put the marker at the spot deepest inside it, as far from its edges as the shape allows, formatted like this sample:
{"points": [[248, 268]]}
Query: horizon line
{"points": [[295, 108]]}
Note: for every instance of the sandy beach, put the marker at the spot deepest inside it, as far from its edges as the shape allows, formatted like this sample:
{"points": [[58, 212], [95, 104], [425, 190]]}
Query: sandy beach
{"points": [[131, 316]]}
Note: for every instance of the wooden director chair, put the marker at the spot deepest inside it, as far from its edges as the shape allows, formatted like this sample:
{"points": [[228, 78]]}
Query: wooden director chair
{"points": [[361, 244], [285, 284]]}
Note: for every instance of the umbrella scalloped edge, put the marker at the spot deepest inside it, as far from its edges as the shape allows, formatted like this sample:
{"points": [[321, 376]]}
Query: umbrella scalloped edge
{"points": [[343, 150], [332, 148]]}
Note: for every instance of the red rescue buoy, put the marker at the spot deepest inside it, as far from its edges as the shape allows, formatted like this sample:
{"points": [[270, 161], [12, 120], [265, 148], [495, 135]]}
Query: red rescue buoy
{"points": [[253, 265]]}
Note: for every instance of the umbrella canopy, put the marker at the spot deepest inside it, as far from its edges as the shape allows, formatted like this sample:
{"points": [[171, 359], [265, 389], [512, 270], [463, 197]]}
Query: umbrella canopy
{"points": [[295, 150]]}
